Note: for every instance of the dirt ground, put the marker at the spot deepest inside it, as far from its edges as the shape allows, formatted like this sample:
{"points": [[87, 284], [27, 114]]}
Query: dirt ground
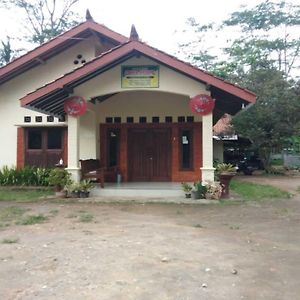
{"points": [[154, 251]]}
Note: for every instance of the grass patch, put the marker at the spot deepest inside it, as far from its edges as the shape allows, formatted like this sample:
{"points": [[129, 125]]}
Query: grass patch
{"points": [[53, 212], [32, 219], [25, 195], [11, 213], [10, 241], [253, 191], [86, 218], [198, 226]]}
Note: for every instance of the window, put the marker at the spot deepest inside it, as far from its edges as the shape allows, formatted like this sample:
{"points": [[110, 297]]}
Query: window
{"points": [[129, 119], [143, 119], [34, 139], [54, 138], [39, 119], [27, 119], [50, 119], [155, 119], [169, 119], [186, 149], [190, 119], [117, 119], [181, 119], [113, 147]]}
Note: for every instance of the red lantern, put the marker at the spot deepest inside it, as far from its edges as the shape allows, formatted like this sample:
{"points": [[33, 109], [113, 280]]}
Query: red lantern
{"points": [[202, 104], [75, 106]]}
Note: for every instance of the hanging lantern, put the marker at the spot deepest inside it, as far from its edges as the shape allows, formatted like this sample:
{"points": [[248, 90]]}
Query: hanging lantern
{"points": [[202, 104], [75, 106]]}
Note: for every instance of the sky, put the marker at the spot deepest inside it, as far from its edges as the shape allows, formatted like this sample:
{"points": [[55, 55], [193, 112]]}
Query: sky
{"points": [[156, 21]]}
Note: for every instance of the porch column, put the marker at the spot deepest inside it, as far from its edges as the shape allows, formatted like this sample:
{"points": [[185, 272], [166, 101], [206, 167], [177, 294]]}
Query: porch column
{"points": [[207, 148], [73, 147]]}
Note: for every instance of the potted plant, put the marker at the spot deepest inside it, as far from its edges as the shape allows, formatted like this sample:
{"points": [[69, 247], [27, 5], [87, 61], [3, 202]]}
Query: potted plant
{"points": [[59, 178], [85, 188], [199, 190], [187, 188], [225, 173], [73, 189]]}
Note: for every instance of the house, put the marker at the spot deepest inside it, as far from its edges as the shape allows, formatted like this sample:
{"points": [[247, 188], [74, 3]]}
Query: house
{"points": [[93, 93]]}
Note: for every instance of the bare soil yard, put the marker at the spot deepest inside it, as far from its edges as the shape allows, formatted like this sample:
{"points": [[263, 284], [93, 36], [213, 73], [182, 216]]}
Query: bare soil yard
{"points": [[152, 251]]}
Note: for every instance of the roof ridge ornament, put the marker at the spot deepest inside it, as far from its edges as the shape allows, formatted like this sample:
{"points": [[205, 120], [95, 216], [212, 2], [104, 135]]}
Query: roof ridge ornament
{"points": [[88, 16], [133, 34]]}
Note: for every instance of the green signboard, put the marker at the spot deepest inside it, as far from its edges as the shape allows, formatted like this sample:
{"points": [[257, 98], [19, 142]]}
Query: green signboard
{"points": [[140, 76]]}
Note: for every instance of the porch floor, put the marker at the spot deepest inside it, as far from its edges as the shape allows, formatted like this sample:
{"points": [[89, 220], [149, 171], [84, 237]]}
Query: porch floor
{"points": [[139, 189]]}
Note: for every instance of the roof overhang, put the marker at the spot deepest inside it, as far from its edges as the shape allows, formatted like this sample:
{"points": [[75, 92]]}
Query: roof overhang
{"points": [[56, 45], [50, 98]]}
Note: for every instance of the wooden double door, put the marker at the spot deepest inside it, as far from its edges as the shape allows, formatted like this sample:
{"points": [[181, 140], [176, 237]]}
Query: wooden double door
{"points": [[149, 154]]}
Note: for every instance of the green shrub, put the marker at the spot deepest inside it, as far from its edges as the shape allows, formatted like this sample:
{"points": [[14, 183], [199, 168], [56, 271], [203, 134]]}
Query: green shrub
{"points": [[28, 176]]}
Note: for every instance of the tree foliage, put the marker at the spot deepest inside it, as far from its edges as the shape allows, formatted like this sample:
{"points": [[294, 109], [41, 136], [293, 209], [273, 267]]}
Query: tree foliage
{"points": [[264, 57], [270, 34], [44, 19], [7, 53]]}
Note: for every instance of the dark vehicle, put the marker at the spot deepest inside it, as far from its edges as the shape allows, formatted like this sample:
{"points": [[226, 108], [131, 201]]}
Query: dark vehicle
{"points": [[249, 164]]}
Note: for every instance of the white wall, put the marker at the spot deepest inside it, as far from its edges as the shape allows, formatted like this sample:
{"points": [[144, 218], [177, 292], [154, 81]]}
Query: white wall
{"points": [[87, 134], [218, 150], [12, 115], [144, 103]]}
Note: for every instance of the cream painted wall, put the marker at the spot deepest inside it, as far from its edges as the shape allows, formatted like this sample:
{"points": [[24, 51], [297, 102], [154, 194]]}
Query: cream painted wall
{"points": [[87, 134], [12, 115], [218, 150], [144, 103], [169, 81]]}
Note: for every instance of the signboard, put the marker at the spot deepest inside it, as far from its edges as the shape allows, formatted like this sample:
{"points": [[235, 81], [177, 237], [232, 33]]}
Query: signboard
{"points": [[140, 77], [202, 104], [75, 106]]}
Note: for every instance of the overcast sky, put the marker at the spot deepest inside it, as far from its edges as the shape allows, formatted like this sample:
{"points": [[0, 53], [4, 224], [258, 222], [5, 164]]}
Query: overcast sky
{"points": [[156, 20]]}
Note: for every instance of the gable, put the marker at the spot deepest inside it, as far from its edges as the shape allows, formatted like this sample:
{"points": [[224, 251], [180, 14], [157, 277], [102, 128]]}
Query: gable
{"points": [[43, 53]]}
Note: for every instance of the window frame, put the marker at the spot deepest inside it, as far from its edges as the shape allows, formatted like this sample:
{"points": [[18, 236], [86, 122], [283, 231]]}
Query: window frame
{"points": [[191, 149], [118, 134]]}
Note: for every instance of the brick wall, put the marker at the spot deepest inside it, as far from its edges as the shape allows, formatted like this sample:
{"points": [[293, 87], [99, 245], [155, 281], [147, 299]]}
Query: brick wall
{"points": [[20, 147]]}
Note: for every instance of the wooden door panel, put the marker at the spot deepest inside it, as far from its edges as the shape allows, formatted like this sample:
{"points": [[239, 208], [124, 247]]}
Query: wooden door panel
{"points": [[161, 155], [149, 154], [138, 155]]}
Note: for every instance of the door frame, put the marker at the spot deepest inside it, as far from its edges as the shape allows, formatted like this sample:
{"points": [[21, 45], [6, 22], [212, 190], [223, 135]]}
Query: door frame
{"points": [[177, 173]]}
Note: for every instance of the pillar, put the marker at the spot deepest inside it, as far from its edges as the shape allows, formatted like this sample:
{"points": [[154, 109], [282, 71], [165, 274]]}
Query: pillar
{"points": [[207, 148], [73, 147]]}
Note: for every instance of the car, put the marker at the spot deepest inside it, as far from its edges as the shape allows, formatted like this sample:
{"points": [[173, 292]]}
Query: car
{"points": [[249, 164]]}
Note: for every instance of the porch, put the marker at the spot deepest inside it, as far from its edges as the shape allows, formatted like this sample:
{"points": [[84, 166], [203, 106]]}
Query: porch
{"points": [[143, 192]]}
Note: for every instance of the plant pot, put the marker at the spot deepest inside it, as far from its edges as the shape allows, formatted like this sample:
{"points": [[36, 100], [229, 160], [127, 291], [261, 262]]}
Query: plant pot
{"points": [[84, 194], [197, 195], [188, 195], [225, 179], [75, 194]]}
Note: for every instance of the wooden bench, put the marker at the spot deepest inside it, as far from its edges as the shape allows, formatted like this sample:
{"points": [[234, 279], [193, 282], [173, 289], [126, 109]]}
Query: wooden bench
{"points": [[92, 169]]}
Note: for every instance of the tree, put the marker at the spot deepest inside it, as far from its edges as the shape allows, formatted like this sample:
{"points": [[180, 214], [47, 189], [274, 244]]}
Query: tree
{"points": [[7, 53], [263, 57], [275, 116], [270, 35], [44, 19]]}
